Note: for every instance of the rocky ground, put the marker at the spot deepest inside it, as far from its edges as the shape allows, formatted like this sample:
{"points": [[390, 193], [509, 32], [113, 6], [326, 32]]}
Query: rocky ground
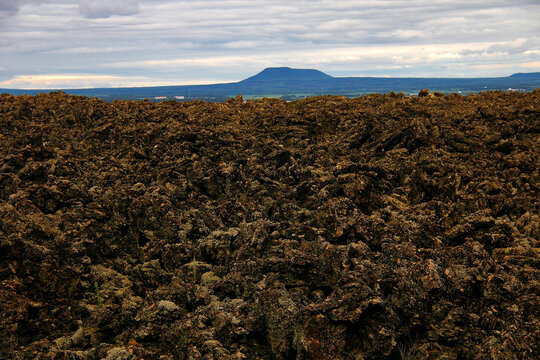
{"points": [[381, 227]]}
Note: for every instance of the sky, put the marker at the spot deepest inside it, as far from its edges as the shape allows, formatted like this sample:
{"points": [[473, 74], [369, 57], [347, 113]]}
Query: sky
{"points": [[112, 43]]}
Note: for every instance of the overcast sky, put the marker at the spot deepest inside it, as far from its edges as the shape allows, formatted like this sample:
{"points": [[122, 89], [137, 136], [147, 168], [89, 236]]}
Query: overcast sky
{"points": [[95, 43]]}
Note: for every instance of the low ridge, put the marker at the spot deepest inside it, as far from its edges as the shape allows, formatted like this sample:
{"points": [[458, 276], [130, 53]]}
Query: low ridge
{"points": [[532, 75]]}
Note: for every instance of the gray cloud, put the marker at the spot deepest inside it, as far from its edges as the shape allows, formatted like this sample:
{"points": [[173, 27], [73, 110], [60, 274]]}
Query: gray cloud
{"points": [[9, 6], [92, 9], [13, 6], [519, 46]]}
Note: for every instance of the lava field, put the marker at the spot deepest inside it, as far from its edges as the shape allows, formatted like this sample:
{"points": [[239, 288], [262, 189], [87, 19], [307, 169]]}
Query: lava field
{"points": [[379, 227]]}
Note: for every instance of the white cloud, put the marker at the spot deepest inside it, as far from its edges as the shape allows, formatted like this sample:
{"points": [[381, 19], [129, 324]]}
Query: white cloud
{"points": [[218, 61], [408, 34], [93, 50], [339, 25], [248, 44], [95, 9]]}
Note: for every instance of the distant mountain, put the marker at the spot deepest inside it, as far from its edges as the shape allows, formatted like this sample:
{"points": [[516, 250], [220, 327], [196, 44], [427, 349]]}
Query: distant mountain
{"points": [[295, 83], [287, 74]]}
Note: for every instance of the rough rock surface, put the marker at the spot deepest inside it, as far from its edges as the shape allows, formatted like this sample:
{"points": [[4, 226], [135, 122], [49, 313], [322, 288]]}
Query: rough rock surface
{"points": [[381, 227]]}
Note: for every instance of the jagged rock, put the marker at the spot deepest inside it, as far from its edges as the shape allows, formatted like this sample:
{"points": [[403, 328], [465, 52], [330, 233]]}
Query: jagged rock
{"points": [[423, 93], [167, 305], [119, 353]]}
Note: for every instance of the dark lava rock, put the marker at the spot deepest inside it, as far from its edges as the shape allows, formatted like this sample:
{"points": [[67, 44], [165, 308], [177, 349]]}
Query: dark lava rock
{"points": [[380, 227], [423, 93]]}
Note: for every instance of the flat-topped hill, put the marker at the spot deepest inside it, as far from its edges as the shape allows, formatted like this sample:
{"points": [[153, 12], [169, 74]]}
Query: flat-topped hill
{"points": [[286, 74]]}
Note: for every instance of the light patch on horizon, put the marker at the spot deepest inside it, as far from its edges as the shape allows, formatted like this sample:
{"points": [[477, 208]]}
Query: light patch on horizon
{"points": [[531, 65], [81, 81], [193, 41]]}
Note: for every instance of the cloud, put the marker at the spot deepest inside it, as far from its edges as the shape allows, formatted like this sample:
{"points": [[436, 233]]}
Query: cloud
{"points": [[247, 44], [518, 46], [391, 56], [9, 6], [96, 9], [93, 50], [217, 61], [180, 40]]}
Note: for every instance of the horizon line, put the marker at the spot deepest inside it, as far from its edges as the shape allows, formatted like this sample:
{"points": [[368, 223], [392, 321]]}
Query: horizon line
{"points": [[203, 83]]}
